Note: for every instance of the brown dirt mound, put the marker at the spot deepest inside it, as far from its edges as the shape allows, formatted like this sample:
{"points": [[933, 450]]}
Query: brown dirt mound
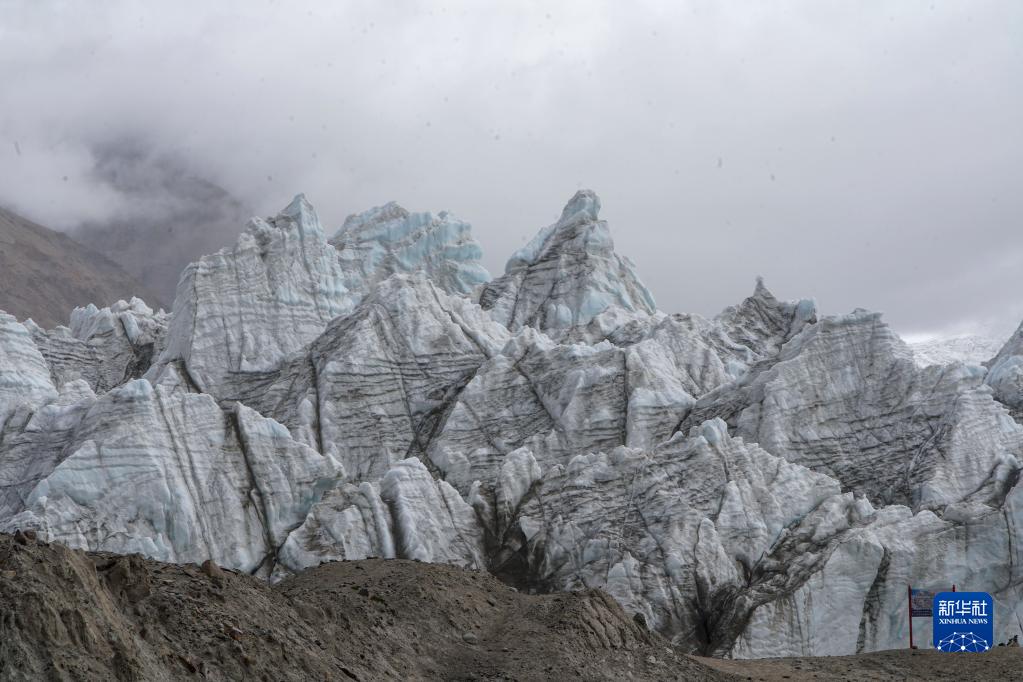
{"points": [[71, 615]]}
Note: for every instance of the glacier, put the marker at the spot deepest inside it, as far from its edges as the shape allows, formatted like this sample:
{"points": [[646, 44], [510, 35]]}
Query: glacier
{"points": [[765, 482]]}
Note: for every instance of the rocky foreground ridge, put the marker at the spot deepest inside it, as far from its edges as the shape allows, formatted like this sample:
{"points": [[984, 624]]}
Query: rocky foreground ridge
{"points": [[71, 615], [764, 483]]}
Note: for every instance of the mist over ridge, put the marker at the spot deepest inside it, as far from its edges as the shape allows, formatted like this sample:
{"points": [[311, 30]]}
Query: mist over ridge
{"points": [[881, 173]]}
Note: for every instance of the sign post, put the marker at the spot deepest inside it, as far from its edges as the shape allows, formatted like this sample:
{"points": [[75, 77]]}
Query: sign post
{"points": [[910, 589], [921, 605]]}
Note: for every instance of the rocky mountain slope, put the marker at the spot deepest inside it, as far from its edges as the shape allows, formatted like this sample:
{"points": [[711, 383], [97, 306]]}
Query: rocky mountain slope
{"points": [[44, 274], [762, 483]]}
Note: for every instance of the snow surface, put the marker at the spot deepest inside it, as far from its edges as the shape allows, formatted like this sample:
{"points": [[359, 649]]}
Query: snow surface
{"points": [[969, 350]]}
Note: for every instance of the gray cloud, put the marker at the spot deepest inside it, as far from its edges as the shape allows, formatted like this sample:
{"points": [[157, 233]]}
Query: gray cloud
{"points": [[165, 216], [867, 154]]}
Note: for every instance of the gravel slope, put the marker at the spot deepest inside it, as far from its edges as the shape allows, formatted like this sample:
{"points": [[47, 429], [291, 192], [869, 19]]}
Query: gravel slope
{"points": [[71, 615], [1002, 663]]}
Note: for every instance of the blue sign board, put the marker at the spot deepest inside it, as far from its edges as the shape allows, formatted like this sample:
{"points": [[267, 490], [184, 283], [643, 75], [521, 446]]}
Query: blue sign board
{"points": [[921, 603], [963, 621]]}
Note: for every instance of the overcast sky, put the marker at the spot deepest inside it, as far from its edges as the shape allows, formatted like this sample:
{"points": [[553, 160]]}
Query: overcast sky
{"points": [[867, 154]]}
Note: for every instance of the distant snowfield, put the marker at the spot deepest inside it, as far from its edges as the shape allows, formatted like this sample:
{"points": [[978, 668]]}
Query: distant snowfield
{"points": [[970, 349]]}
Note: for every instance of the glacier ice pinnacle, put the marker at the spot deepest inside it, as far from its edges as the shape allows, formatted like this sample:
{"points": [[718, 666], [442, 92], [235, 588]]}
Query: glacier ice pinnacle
{"points": [[765, 482], [1005, 375], [382, 241], [567, 275]]}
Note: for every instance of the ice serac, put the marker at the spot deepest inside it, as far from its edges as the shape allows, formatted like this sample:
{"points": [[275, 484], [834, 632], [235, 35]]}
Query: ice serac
{"points": [[242, 310], [385, 240], [736, 552], [845, 397], [105, 347], [556, 399], [35, 440], [377, 385], [242, 313], [699, 354], [671, 533], [631, 389], [24, 375], [853, 597], [567, 275], [407, 514], [1005, 374], [165, 473], [761, 324]]}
